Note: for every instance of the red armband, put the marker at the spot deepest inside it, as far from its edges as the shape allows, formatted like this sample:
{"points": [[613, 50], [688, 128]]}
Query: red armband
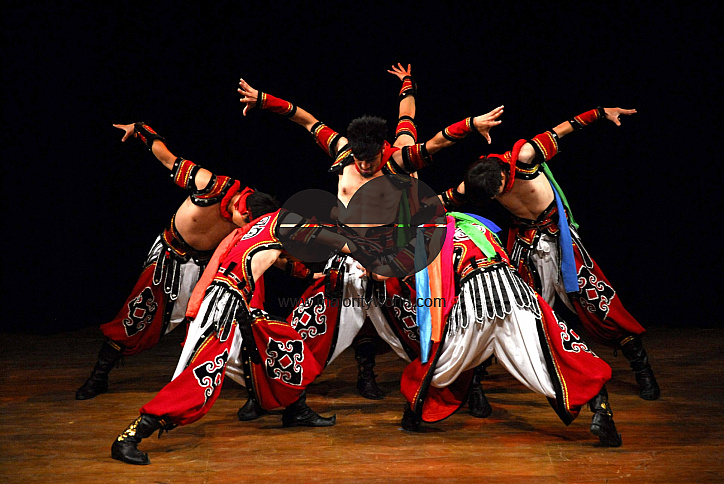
{"points": [[304, 233], [326, 138], [147, 134], [406, 125], [184, 172], [452, 198], [409, 88], [299, 270], [456, 132], [546, 145], [215, 191], [587, 118], [275, 105], [415, 157]]}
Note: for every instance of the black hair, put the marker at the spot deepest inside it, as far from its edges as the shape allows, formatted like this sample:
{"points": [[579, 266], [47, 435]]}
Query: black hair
{"points": [[366, 136], [482, 180], [260, 203]]}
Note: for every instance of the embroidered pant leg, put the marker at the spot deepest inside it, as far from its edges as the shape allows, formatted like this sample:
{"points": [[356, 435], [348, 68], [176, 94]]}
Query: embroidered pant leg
{"points": [[597, 303], [149, 311], [193, 391]]}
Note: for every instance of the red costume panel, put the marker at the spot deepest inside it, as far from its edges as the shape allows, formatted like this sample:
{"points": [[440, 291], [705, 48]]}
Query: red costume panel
{"points": [[287, 363], [279, 375], [190, 395], [316, 316], [597, 303]]}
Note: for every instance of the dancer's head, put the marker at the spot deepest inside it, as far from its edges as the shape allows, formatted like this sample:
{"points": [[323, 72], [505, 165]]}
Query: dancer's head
{"points": [[366, 137], [249, 204], [484, 179], [260, 203]]}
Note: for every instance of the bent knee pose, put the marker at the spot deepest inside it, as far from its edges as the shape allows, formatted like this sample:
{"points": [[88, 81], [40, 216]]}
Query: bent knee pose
{"points": [[275, 361], [216, 205], [547, 250], [496, 314]]}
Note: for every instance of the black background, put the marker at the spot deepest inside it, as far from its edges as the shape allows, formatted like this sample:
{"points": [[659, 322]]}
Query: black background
{"points": [[80, 209]]}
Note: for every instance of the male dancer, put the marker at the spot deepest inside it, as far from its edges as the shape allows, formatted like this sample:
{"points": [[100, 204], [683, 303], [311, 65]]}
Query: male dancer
{"points": [[362, 156], [277, 361], [216, 205], [549, 254], [366, 342], [496, 313]]}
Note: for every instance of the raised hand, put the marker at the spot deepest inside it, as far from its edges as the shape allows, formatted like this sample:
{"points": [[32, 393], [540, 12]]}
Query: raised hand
{"points": [[614, 114], [400, 71], [485, 122], [129, 130], [249, 95]]}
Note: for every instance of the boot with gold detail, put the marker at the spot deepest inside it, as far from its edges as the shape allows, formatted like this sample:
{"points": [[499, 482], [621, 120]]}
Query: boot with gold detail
{"points": [[125, 448]]}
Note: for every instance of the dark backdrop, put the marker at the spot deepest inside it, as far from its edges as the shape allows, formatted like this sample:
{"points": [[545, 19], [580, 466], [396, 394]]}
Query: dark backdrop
{"points": [[80, 209]]}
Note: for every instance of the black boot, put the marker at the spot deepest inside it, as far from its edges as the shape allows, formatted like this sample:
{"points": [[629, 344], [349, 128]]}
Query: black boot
{"points": [[251, 410], [602, 422], [109, 355], [298, 414], [124, 447], [635, 353], [410, 421], [478, 405], [364, 353]]}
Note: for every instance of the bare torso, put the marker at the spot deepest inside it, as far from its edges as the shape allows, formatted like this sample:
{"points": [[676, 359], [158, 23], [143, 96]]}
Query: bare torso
{"points": [[203, 228], [528, 198], [376, 205]]}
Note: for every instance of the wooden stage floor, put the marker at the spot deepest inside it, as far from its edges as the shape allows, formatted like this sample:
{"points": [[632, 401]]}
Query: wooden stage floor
{"points": [[49, 436]]}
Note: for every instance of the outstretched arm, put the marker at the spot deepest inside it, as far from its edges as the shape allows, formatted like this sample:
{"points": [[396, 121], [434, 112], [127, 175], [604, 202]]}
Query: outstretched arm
{"points": [[612, 114], [156, 144], [545, 145], [412, 158], [326, 138], [406, 131], [455, 132]]}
